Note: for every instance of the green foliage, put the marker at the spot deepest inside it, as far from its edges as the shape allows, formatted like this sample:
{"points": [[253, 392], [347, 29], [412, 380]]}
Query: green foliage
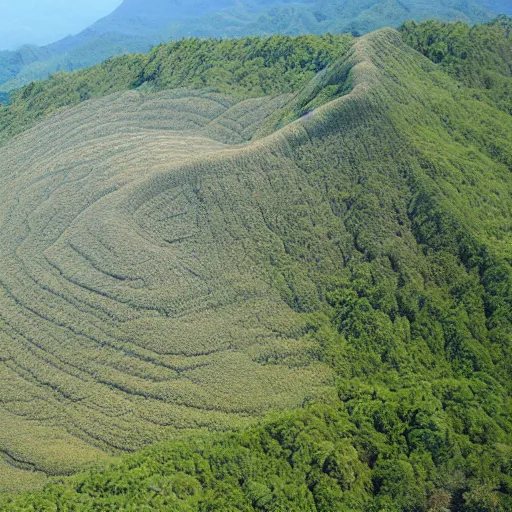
{"points": [[245, 67], [125, 34], [255, 67], [479, 56], [356, 261], [377, 449]]}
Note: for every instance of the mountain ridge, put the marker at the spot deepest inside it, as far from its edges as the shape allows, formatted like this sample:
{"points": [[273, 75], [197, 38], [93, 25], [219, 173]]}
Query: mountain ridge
{"points": [[134, 27]]}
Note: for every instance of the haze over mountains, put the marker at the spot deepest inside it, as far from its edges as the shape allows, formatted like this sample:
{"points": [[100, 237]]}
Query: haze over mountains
{"points": [[43, 22], [137, 25]]}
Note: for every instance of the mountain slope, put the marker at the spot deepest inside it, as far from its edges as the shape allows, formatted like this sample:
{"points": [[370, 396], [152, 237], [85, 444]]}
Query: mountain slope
{"points": [[479, 57], [136, 26], [118, 360], [256, 67], [159, 275]]}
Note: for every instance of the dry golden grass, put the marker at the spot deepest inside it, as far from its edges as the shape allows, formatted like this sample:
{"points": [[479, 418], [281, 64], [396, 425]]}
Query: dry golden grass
{"points": [[130, 309]]}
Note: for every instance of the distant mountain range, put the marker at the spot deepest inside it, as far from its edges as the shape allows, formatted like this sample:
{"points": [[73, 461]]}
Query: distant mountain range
{"points": [[137, 25], [43, 22]]}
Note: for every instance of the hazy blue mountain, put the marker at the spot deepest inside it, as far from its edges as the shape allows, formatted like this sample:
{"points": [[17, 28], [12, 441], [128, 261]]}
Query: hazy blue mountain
{"points": [[500, 6], [137, 25], [43, 22]]}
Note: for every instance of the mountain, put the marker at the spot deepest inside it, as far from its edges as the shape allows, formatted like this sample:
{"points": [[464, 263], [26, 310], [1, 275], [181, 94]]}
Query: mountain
{"points": [[40, 23], [502, 6], [288, 260], [136, 26]]}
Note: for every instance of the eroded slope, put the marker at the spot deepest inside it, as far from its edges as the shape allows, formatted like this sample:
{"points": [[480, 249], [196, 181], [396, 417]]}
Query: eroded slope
{"points": [[126, 313]]}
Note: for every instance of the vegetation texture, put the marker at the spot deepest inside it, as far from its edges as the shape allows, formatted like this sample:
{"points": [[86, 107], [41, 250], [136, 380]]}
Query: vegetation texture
{"points": [[241, 68], [186, 258], [477, 56], [137, 25]]}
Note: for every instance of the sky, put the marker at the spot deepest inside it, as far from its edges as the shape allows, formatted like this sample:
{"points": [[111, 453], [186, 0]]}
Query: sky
{"points": [[45, 21]]}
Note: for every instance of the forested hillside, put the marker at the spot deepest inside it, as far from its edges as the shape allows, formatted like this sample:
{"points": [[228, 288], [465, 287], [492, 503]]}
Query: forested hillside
{"points": [[192, 250], [137, 25], [479, 57]]}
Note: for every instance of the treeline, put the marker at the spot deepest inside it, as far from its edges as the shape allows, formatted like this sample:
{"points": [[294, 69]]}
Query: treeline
{"points": [[478, 56], [127, 35], [242, 68]]}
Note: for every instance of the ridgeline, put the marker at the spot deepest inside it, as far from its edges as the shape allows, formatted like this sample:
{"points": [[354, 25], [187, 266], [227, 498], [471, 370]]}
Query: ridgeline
{"points": [[138, 25]]}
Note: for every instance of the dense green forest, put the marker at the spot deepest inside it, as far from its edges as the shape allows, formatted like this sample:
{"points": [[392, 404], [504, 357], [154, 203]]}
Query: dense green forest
{"points": [[479, 56], [375, 225]]}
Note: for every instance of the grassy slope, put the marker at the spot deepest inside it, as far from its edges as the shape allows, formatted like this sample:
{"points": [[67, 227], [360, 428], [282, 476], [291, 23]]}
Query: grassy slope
{"points": [[374, 233], [256, 67], [278, 18], [148, 132]]}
